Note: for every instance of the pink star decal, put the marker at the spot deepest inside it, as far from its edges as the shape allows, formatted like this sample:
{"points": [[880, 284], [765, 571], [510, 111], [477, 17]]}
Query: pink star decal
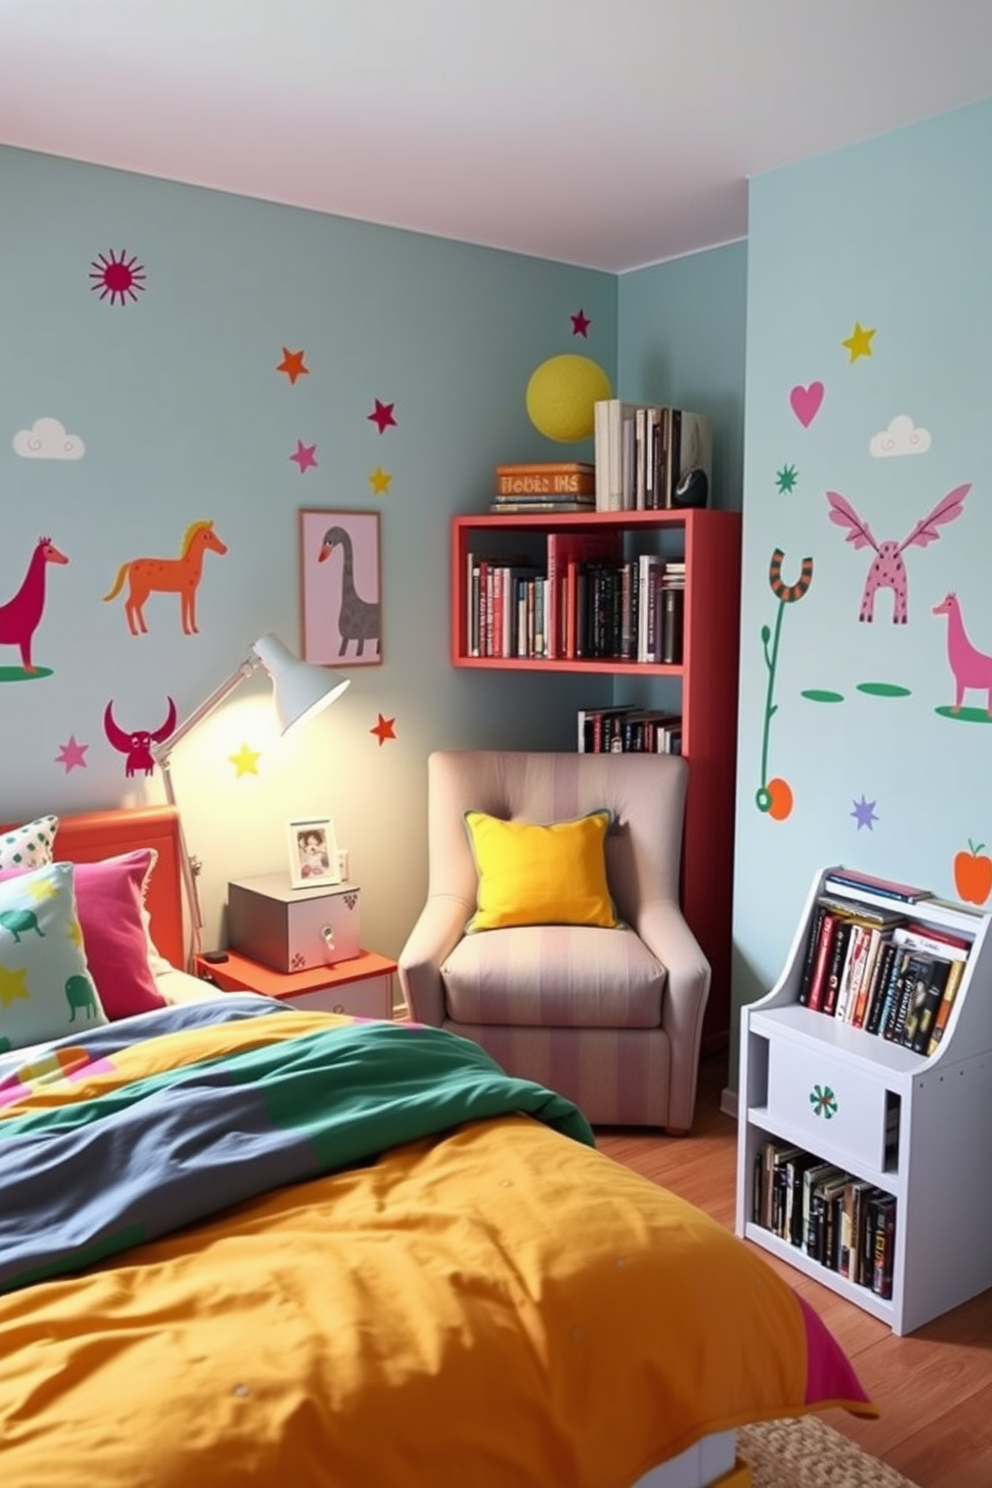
{"points": [[72, 755], [384, 729], [306, 455], [580, 323], [383, 415]]}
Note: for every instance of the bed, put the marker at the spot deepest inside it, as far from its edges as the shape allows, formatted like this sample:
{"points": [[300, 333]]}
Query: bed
{"points": [[241, 1243]]}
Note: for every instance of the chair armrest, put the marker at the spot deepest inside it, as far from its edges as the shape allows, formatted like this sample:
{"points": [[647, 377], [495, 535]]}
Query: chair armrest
{"points": [[664, 931], [435, 934]]}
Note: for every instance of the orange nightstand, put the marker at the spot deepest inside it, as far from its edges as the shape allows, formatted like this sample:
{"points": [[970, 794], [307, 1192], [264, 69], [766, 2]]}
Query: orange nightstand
{"points": [[362, 985]]}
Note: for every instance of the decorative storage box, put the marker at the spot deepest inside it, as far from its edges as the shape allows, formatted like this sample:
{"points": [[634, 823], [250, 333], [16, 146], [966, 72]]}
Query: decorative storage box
{"points": [[293, 929]]}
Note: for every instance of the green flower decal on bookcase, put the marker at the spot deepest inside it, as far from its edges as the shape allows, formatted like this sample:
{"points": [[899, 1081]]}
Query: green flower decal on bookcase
{"points": [[823, 1101]]}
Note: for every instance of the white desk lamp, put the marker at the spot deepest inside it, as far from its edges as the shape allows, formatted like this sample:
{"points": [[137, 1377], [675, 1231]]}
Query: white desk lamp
{"points": [[299, 690]]}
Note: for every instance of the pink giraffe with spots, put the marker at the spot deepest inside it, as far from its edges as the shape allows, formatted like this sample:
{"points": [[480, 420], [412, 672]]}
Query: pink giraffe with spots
{"points": [[971, 667], [888, 568]]}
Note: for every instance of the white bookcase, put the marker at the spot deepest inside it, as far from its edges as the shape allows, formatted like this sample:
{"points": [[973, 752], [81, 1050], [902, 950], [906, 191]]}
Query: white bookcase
{"points": [[917, 1127]]}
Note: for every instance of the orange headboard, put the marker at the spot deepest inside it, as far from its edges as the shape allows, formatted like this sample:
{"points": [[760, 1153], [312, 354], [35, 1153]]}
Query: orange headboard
{"points": [[91, 835]]}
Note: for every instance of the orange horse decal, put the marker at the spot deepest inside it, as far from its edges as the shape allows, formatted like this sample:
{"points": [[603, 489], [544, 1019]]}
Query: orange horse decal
{"points": [[168, 576]]}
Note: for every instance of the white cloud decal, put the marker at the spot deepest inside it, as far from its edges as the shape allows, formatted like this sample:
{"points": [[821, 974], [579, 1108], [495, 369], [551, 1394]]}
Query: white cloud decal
{"points": [[900, 438], [48, 440]]}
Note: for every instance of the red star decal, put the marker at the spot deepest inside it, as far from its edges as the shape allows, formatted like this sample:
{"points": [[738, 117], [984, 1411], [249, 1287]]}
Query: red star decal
{"points": [[305, 456], [580, 323], [72, 755], [384, 730], [292, 364], [383, 415]]}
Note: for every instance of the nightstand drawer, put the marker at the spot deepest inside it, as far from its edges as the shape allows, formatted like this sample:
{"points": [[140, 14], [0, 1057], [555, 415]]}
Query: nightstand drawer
{"points": [[371, 998], [827, 1104]]}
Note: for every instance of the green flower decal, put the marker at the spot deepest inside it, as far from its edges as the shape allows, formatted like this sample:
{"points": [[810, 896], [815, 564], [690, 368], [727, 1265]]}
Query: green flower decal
{"points": [[823, 1101]]}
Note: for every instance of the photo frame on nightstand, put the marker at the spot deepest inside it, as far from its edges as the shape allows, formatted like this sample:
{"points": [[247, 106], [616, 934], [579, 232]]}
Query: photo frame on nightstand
{"points": [[313, 851]]}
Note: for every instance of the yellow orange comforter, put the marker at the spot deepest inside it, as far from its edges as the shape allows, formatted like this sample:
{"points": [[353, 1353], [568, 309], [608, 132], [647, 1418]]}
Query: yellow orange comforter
{"points": [[492, 1305]]}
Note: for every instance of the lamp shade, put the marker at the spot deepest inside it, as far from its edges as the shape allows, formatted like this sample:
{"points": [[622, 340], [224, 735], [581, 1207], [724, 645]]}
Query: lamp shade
{"points": [[299, 689]]}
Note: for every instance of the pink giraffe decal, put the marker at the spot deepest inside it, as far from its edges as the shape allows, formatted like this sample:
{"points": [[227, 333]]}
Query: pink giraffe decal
{"points": [[888, 570], [971, 667]]}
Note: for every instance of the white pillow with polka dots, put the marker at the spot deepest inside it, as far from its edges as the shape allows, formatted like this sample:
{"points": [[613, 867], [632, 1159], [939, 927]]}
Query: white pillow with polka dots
{"points": [[29, 846]]}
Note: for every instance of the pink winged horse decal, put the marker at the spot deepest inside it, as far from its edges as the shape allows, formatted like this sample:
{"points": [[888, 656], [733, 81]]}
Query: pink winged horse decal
{"points": [[888, 570]]}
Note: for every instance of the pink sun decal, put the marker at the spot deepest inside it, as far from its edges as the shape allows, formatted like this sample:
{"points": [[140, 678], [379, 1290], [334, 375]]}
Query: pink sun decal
{"points": [[120, 278]]}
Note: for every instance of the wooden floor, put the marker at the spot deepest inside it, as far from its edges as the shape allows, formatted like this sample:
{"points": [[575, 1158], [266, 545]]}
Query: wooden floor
{"points": [[934, 1387]]}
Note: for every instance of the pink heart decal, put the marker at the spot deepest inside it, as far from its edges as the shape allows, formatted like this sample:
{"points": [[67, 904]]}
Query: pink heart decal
{"points": [[806, 402]]}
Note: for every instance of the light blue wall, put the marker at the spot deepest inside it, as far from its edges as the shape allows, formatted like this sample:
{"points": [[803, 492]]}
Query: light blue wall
{"points": [[682, 342], [892, 234], [176, 397]]}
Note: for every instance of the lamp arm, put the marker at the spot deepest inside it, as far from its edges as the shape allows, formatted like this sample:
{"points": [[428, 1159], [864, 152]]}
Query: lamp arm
{"points": [[161, 752]]}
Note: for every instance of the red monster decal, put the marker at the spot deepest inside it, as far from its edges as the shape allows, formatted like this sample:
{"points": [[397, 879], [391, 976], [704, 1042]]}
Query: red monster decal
{"points": [[138, 744]]}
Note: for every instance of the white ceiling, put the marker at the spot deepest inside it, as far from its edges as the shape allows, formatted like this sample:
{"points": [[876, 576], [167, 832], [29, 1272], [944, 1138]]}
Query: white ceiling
{"points": [[609, 133]]}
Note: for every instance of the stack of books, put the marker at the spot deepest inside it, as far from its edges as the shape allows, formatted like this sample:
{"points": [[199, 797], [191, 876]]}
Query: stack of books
{"points": [[549, 486], [642, 452], [881, 969]]}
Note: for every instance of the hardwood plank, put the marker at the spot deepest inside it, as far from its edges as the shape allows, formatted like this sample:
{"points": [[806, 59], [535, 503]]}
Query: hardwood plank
{"points": [[933, 1387]]}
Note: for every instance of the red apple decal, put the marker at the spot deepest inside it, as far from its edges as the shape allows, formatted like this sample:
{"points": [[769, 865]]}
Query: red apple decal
{"points": [[973, 874]]}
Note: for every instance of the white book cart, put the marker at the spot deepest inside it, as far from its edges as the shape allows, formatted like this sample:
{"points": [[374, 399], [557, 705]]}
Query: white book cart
{"points": [[917, 1127]]}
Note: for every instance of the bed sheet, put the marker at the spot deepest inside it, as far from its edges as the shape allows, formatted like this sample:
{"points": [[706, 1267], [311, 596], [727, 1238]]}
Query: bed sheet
{"points": [[471, 1296]]}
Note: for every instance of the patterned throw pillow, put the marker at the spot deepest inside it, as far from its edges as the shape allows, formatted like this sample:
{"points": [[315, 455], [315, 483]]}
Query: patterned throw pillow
{"points": [[46, 990], [30, 846]]}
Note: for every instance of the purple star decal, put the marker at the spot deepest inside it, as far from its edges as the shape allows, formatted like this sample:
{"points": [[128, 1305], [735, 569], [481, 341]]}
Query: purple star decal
{"points": [[864, 813], [305, 456], [383, 415], [580, 324]]}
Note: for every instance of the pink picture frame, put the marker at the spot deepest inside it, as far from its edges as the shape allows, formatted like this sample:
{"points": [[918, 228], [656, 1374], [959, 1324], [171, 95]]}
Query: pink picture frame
{"points": [[340, 587]]}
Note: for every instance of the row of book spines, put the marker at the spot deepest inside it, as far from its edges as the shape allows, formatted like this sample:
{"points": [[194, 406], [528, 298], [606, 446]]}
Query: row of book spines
{"points": [[842, 1222], [898, 982], [593, 609], [628, 730]]}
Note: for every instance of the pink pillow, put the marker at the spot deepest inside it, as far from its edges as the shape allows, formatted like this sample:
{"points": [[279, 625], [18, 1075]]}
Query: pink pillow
{"points": [[109, 900]]}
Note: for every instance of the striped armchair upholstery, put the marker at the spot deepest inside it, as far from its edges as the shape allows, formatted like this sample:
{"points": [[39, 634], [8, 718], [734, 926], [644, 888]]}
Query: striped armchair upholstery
{"points": [[611, 1018]]}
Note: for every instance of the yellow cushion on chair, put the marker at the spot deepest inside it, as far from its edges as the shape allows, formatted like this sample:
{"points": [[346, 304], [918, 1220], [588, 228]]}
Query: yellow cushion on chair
{"points": [[533, 874]]}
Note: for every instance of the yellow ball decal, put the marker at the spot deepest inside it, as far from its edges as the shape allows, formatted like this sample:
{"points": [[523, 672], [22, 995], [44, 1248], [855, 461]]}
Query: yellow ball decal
{"points": [[560, 397]]}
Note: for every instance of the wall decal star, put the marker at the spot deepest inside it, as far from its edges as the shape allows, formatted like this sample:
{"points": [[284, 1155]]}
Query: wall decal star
{"points": [[858, 342], [72, 755], [580, 324], [785, 479], [245, 762], [305, 456], [864, 813], [382, 416], [384, 729], [380, 481], [292, 364]]}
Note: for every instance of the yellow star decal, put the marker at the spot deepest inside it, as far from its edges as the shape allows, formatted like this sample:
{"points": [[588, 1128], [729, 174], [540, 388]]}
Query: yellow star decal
{"points": [[380, 481], [12, 988], [245, 762], [858, 342]]}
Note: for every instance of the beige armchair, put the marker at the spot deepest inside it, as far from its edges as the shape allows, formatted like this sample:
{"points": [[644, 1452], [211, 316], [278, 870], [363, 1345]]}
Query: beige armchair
{"points": [[611, 1018]]}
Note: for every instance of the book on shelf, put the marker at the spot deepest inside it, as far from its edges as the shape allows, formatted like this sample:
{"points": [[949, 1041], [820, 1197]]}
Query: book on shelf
{"points": [[547, 478], [600, 730], [882, 1227], [912, 985], [814, 1179], [686, 441], [888, 951], [643, 450], [838, 964], [827, 929], [581, 548], [954, 977], [852, 971], [850, 878], [548, 505], [923, 1013]]}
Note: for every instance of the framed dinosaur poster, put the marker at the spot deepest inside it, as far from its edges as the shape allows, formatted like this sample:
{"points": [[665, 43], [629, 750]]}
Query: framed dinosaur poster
{"points": [[340, 590]]}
